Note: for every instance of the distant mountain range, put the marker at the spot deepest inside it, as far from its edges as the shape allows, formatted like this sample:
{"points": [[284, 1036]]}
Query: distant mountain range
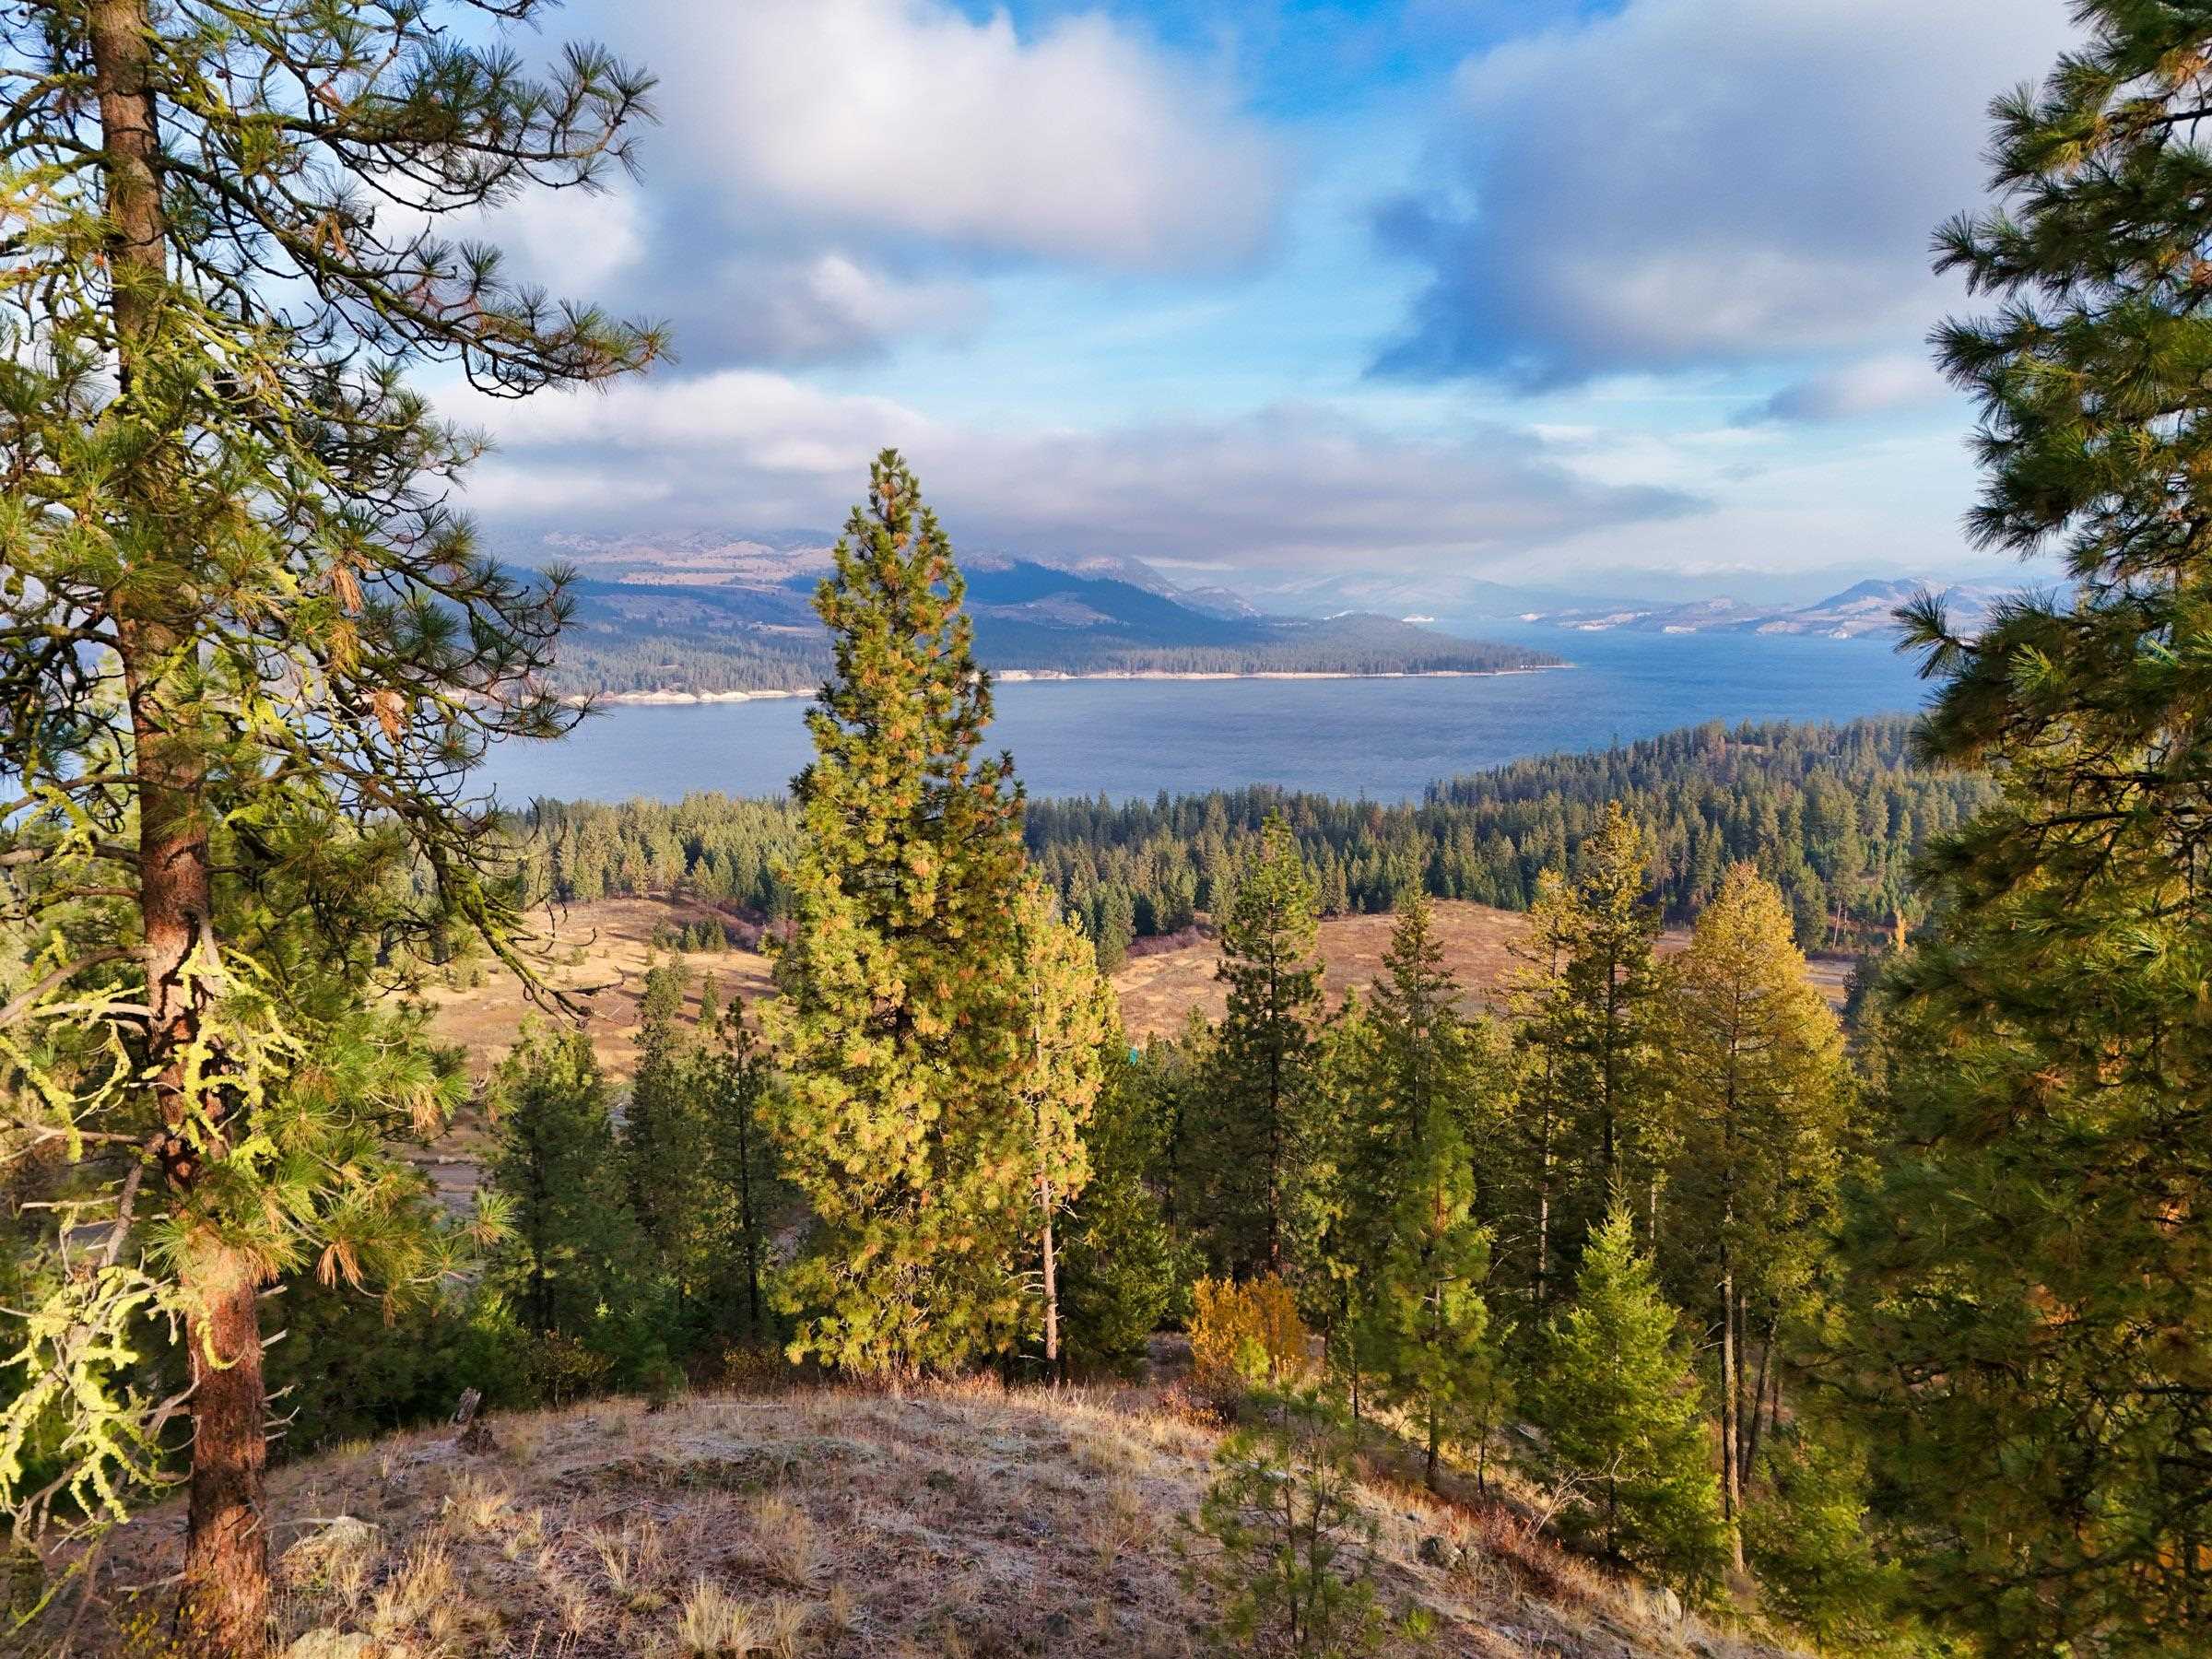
{"points": [[1863, 608], [708, 614]]}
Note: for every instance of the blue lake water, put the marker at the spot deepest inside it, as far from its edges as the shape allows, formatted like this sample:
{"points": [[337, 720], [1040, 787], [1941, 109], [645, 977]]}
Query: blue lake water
{"points": [[1385, 739]]}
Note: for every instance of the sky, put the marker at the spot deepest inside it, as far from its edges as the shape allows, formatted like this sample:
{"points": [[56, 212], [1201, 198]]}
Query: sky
{"points": [[1608, 294]]}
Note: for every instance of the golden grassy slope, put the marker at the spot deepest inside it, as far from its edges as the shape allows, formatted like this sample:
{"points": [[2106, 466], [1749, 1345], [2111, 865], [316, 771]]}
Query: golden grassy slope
{"points": [[599, 950], [957, 1520]]}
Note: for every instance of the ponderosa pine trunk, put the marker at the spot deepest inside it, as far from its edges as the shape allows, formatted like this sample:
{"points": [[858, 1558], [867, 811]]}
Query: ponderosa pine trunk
{"points": [[749, 1224], [224, 1607], [1732, 1488], [1543, 1200], [1274, 1124]]}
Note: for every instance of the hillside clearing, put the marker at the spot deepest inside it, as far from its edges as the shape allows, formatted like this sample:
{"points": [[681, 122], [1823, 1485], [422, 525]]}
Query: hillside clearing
{"points": [[956, 1521]]}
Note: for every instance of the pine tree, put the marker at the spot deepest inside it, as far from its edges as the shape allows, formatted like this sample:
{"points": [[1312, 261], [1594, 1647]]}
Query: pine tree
{"points": [[1754, 1065], [1416, 1256], [1069, 1015], [1583, 1000], [247, 654], [731, 1079], [1620, 1413], [1117, 927], [1122, 1268], [665, 1147], [1410, 1086], [2034, 1260], [567, 1259], [1813, 1542], [1182, 1072], [1269, 961], [902, 1021], [1544, 1016], [1611, 977], [1428, 1331]]}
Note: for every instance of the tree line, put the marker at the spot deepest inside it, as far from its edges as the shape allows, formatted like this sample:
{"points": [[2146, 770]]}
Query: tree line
{"points": [[1834, 815]]}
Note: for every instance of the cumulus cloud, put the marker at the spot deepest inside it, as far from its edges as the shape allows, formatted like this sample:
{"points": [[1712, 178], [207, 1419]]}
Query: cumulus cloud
{"points": [[1681, 182], [1081, 141], [1286, 486], [1875, 386]]}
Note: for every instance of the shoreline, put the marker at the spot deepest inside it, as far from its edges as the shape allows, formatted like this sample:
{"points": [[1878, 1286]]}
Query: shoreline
{"points": [[1013, 676]]}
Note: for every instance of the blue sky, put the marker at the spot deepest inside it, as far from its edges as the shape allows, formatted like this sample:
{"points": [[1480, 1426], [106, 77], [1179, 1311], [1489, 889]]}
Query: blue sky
{"points": [[1622, 294]]}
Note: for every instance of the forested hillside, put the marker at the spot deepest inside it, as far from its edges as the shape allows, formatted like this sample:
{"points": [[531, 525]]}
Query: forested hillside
{"points": [[1833, 815]]}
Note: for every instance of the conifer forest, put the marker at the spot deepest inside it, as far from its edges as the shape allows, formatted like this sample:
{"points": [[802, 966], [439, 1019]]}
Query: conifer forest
{"points": [[1654, 1294]]}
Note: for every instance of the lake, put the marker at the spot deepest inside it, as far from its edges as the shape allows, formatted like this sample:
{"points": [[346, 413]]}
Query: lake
{"points": [[1385, 739]]}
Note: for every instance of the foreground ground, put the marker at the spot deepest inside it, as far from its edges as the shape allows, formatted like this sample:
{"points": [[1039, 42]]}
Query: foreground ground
{"points": [[961, 1522]]}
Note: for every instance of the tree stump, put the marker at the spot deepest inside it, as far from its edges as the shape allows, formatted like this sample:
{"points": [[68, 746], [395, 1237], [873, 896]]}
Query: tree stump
{"points": [[476, 1432]]}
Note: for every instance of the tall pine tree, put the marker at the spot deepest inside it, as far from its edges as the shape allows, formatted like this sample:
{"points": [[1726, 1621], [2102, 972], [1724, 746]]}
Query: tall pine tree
{"points": [[903, 1020], [248, 654], [665, 1150], [1122, 1268], [733, 1078], [1754, 1062], [1069, 1015], [1584, 999], [2037, 1258], [1611, 977], [1271, 964], [569, 1261], [1418, 1255]]}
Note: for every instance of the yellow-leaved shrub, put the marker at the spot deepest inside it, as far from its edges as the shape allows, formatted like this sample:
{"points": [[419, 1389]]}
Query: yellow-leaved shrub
{"points": [[1243, 1336]]}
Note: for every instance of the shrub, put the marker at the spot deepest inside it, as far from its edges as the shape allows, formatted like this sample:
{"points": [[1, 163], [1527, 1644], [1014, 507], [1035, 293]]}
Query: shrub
{"points": [[1243, 1336]]}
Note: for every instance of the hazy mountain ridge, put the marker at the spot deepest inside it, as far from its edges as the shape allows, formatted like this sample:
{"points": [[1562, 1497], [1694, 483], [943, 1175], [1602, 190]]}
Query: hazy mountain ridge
{"points": [[712, 613], [715, 611]]}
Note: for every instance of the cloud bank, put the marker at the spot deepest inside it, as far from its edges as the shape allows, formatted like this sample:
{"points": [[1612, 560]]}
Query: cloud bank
{"points": [[1286, 486], [1692, 182]]}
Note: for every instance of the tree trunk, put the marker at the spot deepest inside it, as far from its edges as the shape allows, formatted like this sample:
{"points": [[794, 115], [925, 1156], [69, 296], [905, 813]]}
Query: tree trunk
{"points": [[1275, 1126], [1051, 1298], [1758, 1394], [750, 1225], [1731, 1415], [224, 1608], [223, 1612], [1544, 1206]]}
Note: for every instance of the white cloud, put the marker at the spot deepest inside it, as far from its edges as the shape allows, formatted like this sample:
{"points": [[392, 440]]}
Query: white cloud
{"points": [[1079, 141], [1685, 181]]}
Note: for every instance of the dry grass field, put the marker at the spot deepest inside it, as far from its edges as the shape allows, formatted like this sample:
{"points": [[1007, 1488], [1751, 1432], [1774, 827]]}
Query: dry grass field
{"points": [[602, 948], [965, 1521], [1157, 990], [597, 953]]}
